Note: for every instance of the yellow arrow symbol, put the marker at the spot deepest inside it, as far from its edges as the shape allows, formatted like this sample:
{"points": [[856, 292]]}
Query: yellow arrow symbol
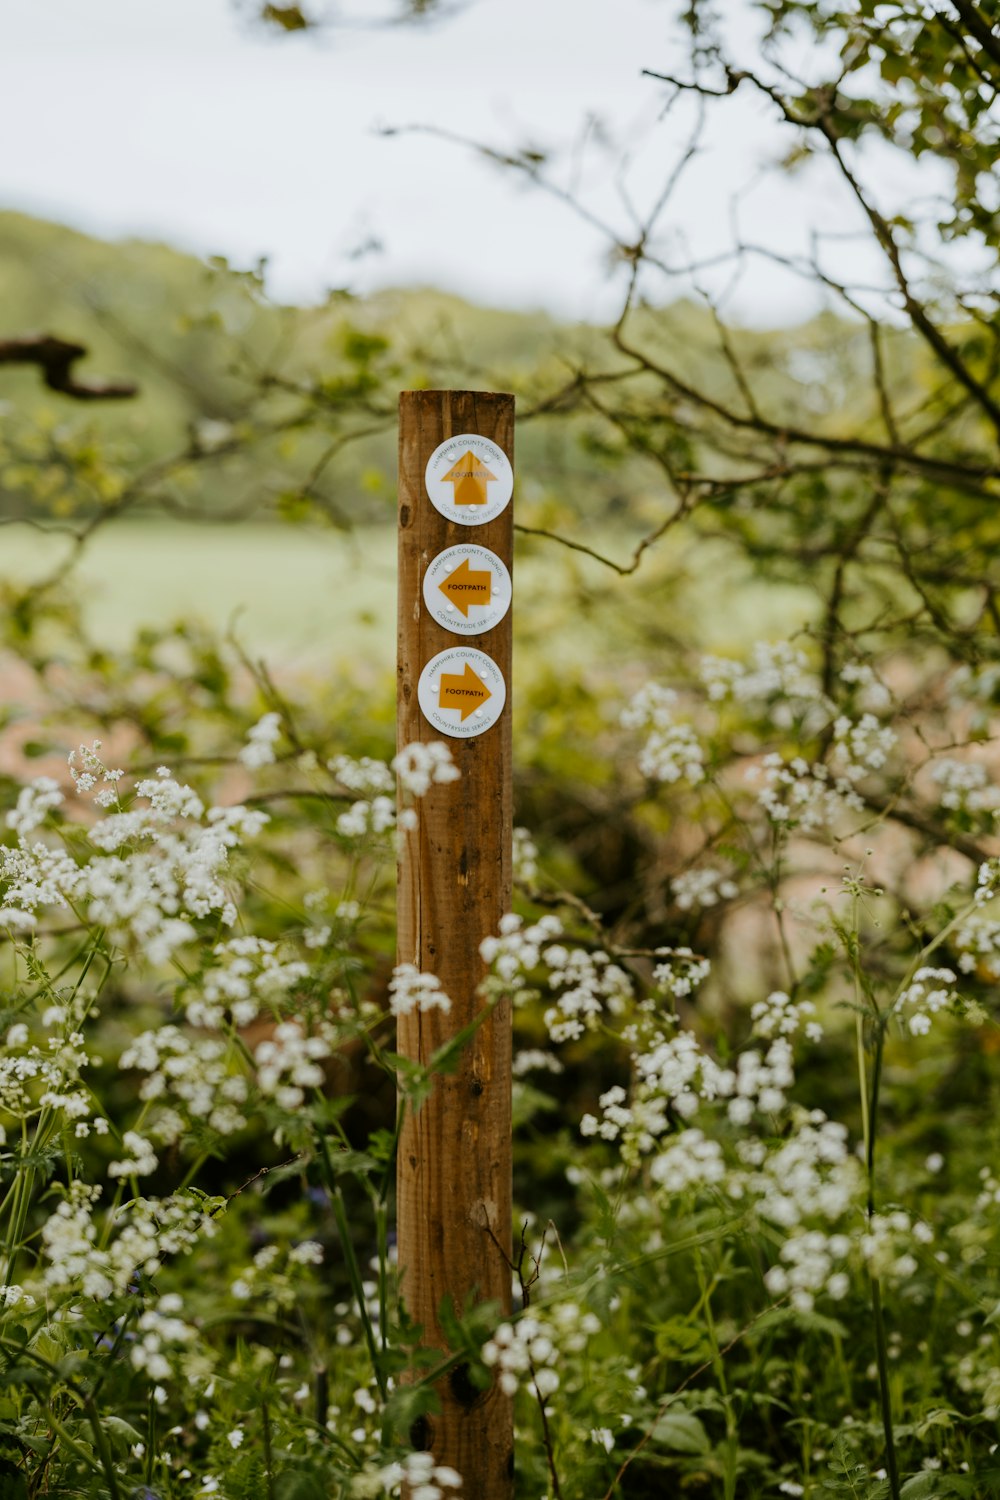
{"points": [[470, 477], [467, 586], [464, 693]]}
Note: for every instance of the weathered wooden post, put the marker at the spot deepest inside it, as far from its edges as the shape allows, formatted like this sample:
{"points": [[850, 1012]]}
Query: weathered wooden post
{"points": [[454, 884]]}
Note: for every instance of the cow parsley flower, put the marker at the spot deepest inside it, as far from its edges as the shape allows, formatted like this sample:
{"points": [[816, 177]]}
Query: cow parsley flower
{"points": [[929, 992], [419, 767], [377, 816], [965, 785], [780, 1016], [702, 888], [259, 748], [34, 803], [411, 990], [672, 752], [370, 777], [140, 1161]]}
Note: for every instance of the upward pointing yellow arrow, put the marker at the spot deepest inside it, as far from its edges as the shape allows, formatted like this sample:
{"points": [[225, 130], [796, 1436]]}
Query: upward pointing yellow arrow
{"points": [[470, 477]]}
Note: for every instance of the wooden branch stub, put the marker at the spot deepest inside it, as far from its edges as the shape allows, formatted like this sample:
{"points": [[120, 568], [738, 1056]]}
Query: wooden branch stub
{"points": [[55, 358]]}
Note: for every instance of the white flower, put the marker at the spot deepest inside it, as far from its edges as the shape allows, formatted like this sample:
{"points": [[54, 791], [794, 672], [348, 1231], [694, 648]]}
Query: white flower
{"points": [[420, 766], [377, 816], [525, 857], [702, 888], [672, 752], [35, 801], [259, 748], [965, 784], [235, 1438], [141, 1159], [411, 990], [367, 776]]}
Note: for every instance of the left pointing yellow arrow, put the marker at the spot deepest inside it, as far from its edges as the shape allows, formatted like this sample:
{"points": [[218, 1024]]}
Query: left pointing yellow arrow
{"points": [[467, 586]]}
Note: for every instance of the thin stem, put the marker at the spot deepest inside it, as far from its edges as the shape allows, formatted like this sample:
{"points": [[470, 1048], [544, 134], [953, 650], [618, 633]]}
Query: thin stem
{"points": [[268, 1464], [547, 1442], [883, 1386], [869, 1119], [353, 1270]]}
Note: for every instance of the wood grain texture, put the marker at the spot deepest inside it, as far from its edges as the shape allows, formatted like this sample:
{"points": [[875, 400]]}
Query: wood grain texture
{"points": [[454, 884]]}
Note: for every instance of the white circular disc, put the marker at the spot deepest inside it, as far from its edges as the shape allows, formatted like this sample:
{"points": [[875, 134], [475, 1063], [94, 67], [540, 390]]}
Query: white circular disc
{"points": [[469, 479], [461, 692], [467, 589]]}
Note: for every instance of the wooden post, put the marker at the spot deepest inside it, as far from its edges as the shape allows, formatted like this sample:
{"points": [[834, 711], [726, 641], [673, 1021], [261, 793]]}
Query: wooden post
{"points": [[454, 884]]}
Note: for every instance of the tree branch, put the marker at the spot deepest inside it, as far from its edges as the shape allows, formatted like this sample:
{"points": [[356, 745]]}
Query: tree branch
{"points": [[56, 357], [984, 34]]}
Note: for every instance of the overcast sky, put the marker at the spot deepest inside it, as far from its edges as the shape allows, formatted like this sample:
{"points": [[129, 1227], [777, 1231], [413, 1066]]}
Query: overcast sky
{"points": [[171, 119]]}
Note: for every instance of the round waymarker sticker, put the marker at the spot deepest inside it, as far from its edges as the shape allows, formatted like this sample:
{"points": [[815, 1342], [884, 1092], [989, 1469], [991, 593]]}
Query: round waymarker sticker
{"points": [[461, 692], [469, 479], [467, 589]]}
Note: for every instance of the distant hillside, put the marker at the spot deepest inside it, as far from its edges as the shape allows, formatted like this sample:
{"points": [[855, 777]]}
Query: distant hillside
{"points": [[221, 369], [201, 340]]}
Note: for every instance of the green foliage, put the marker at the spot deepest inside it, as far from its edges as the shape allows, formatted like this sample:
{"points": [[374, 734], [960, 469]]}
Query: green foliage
{"points": [[755, 1260]]}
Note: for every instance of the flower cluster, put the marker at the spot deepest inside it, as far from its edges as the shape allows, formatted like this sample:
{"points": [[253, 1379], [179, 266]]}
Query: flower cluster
{"points": [[259, 748], [778, 1015], [411, 990], [702, 888], [164, 867], [778, 679], [586, 983], [368, 776], [146, 1232], [517, 949], [159, 1329], [191, 1078], [888, 1243], [524, 857], [809, 1265], [419, 767], [678, 972], [690, 1159], [375, 816], [929, 992], [424, 1478], [35, 1077], [288, 1062], [977, 941], [811, 1174], [274, 1276], [248, 973], [673, 751], [965, 785], [530, 1349], [796, 794], [860, 746], [141, 1160]]}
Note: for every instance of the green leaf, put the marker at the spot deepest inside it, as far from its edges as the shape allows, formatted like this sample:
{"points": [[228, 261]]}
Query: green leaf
{"points": [[122, 1433], [682, 1431], [285, 17]]}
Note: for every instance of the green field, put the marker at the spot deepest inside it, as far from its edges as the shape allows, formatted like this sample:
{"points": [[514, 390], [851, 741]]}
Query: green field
{"points": [[288, 593], [309, 597]]}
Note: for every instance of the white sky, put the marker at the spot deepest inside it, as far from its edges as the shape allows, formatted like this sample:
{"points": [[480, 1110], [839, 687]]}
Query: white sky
{"points": [[169, 119]]}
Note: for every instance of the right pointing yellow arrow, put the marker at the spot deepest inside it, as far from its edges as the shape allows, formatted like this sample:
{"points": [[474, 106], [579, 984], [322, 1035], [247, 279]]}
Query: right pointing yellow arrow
{"points": [[467, 586], [465, 693]]}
